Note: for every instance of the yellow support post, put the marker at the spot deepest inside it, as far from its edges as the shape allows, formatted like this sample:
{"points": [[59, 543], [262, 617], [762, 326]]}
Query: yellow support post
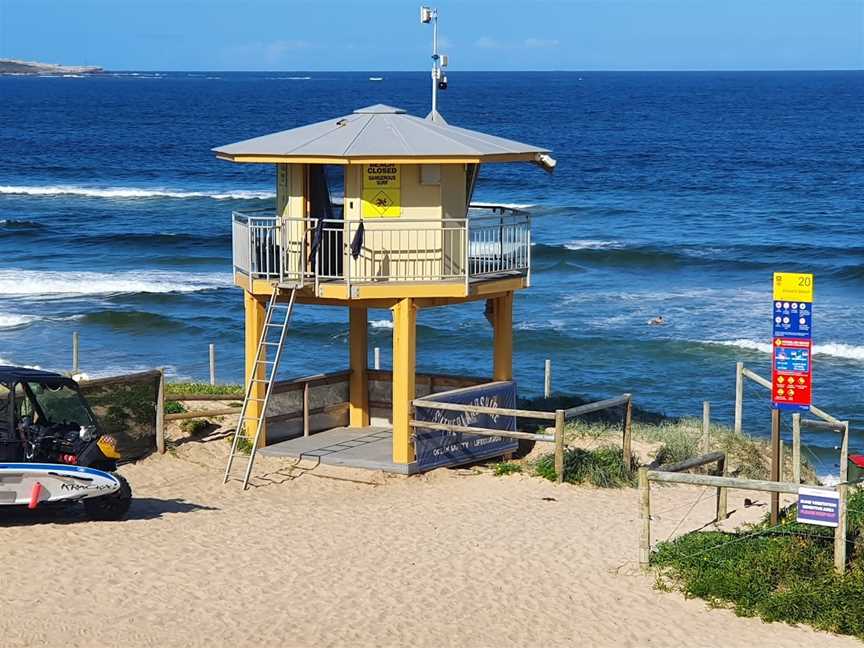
{"points": [[502, 321], [255, 317], [358, 342], [404, 365]]}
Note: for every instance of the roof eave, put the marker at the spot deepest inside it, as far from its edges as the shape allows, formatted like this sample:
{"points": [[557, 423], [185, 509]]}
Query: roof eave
{"points": [[271, 158]]}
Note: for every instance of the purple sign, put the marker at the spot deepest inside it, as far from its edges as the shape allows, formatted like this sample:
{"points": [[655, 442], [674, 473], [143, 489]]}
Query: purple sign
{"points": [[818, 506]]}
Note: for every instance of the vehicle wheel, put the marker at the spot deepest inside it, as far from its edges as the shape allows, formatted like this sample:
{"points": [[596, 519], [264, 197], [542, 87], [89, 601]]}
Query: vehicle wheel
{"points": [[110, 507]]}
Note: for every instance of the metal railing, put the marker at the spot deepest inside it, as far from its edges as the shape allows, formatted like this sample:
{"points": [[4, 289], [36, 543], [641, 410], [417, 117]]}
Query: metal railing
{"points": [[300, 251]]}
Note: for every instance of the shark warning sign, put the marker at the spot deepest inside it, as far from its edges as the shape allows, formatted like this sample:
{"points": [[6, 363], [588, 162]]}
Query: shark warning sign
{"points": [[382, 194]]}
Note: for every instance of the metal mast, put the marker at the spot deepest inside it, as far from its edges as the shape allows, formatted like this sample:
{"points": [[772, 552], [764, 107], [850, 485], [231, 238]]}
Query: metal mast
{"points": [[439, 79]]}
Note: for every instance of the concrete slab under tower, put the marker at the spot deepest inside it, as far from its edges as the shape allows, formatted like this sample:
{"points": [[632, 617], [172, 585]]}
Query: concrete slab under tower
{"points": [[356, 447]]}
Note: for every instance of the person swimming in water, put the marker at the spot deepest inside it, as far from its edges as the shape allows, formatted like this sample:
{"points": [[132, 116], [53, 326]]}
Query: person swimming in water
{"points": [[657, 321]]}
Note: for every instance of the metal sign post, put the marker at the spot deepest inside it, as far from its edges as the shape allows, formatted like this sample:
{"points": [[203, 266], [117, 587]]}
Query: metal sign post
{"points": [[791, 355]]}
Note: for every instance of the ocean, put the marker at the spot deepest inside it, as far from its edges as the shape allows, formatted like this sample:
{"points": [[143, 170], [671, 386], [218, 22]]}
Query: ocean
{"points": [[676, 194]]}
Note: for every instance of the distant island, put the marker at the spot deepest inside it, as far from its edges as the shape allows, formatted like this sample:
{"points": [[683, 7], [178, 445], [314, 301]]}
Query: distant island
{"points": [[14, 66]]}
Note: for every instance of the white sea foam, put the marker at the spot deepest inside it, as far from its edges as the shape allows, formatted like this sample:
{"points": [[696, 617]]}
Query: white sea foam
{"points": [[835, 349], [14, 320], [828, 480], [382, 324], [131, 192], [26, 283], [590, 244]]}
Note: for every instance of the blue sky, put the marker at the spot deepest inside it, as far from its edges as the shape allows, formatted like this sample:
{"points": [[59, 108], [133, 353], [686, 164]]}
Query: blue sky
{"points": [[478, 35]]}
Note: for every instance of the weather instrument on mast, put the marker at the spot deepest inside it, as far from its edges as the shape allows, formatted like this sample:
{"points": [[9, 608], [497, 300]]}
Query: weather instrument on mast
{"points": [[439, 61]]}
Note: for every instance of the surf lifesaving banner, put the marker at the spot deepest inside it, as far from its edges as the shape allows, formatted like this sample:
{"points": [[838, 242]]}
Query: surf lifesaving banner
{"points": [[382, 190], [792, 345], [436, 448]]}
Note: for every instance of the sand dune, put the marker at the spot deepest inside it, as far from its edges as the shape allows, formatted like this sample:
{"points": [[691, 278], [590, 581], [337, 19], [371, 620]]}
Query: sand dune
{"points": [[324, 558]]}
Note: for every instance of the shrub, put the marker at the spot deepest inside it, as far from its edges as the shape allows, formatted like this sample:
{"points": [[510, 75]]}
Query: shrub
{"points": [[173, 407], [603, 467], [778, 574], [506, 468], [195, 427]]}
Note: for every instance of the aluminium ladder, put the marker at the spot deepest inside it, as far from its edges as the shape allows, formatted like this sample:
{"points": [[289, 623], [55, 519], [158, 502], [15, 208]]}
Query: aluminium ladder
{"points": [[249, 427]]}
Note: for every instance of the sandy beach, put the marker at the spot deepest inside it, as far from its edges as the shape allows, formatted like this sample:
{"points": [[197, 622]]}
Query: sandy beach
{"points": [[325, 557]]}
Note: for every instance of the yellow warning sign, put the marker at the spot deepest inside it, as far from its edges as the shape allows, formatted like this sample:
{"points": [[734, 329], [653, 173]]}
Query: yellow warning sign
{"points": [[793, 286], [382, 195]]}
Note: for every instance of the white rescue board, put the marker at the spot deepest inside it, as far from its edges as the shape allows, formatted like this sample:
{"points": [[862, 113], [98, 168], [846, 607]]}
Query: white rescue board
{"points": [[56, 483]]}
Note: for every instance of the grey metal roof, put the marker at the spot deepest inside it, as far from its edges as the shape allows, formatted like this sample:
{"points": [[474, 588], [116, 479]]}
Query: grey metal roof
{"points": [[379, 131]]}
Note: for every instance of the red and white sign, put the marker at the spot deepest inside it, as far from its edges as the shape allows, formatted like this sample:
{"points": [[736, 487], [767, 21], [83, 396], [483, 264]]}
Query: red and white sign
{"points": [[792, 373]]}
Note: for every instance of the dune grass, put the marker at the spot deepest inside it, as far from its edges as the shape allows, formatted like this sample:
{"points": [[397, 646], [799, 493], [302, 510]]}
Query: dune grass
{"points": [[783, 573], [179, 389], [602, 467]]}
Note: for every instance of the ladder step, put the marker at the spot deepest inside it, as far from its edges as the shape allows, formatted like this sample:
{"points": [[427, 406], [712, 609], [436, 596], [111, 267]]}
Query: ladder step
{"points": [[249, 427]]}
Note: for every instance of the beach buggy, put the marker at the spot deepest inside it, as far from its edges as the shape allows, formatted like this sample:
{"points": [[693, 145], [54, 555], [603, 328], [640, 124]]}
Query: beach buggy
{"points": [[51, 447]]}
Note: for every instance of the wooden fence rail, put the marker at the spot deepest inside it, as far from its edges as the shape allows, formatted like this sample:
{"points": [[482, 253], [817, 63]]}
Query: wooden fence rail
{"points": [[554, 434], [646, 476], [826, 422]]}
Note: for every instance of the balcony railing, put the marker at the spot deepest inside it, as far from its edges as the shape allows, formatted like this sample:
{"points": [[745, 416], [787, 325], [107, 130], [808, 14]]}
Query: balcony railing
{"points": [[302, 251]]}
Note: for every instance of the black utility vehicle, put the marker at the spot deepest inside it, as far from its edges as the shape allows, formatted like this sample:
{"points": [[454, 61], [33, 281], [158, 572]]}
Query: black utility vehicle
{"points": [[44, 419]]}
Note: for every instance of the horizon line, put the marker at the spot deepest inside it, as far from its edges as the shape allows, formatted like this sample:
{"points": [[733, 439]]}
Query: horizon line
{"points": [[498, 71]]}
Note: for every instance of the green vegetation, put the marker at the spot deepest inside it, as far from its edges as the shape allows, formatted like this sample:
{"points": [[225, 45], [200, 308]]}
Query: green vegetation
{"points": [[783, 573], [173, 407], [681, 439], [602, 467], [179, 389], [506, 468], [244, 445], [195, 427]]}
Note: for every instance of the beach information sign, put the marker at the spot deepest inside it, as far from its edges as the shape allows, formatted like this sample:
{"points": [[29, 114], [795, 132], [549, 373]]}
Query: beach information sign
{"points": [[792, 347], [819, 507], [382, 193]]}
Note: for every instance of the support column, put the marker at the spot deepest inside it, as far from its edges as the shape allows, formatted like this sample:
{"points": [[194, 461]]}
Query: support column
{"points": [[255, 316], [502, 321], [404, 366], [358, 342]]}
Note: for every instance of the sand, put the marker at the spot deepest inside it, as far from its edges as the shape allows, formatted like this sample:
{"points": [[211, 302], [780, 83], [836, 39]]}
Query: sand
{"points": [[326, 557]]}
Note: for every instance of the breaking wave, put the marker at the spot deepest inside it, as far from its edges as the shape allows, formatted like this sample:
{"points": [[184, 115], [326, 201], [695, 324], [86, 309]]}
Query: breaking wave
{"points": [[15, 320], [27, 283], [130, 193], [835, 349]]}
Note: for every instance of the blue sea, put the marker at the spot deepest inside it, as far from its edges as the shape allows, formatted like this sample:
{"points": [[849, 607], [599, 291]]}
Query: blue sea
{"points": [[676, 194]]}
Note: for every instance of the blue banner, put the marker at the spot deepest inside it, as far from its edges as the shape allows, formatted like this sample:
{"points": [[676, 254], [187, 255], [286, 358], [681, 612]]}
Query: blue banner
{"points": [[436, 448]]}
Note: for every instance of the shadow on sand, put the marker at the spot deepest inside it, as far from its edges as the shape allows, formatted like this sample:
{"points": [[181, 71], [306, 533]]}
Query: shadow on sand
{"points": [[142, 508]]}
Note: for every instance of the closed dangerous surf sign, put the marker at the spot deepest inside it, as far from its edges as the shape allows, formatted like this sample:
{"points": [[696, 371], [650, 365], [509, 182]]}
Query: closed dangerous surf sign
{"points": [[382, 196]]}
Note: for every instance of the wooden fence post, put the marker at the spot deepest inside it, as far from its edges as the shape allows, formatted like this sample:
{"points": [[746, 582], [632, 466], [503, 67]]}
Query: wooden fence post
{"points": [[796, 448], [627, 442], [706, 426], [212, 364], [160, 413], [739, 397], [775, 463], [644, 518], [306, 409], [547, 378], [76, 347], [844, 453], [559, 445], [722, 492], [840, 532]]}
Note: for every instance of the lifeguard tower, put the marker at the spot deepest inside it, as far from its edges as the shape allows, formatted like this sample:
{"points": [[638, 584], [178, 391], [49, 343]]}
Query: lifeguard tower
{"points": [[404, 235]]}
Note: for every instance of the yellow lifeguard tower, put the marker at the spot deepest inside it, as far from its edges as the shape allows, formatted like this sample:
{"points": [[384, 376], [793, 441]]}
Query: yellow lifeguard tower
{"points": [[404, 236]]}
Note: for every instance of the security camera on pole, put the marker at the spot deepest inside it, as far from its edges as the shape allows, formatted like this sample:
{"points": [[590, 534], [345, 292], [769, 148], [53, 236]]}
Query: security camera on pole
{"points": [[439, 61]]}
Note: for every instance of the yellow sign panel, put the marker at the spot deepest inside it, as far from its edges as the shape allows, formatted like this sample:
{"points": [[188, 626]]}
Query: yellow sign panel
{"points": [[793, 286], [382, 194]]}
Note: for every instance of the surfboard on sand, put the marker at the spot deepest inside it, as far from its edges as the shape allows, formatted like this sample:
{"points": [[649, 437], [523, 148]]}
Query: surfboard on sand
{"points": [[32, 484]]}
